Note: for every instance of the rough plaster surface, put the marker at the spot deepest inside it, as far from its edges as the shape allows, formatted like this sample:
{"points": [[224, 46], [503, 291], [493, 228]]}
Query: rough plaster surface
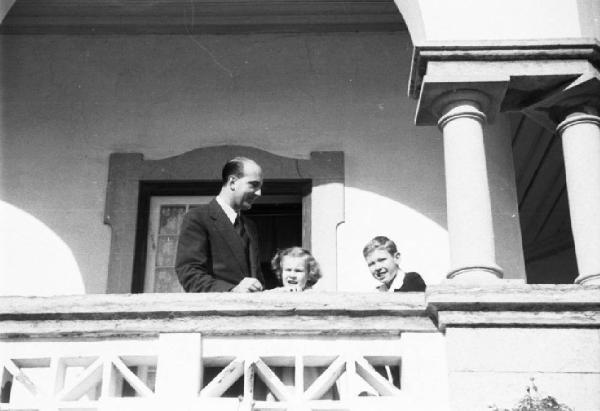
{"points": [[477, 391], [494, 366], [532, 350], [70, 101]]}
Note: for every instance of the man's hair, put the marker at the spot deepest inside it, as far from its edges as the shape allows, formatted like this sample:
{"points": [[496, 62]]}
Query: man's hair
{"points": [[313, 271], [380, 243], [234, 167]]}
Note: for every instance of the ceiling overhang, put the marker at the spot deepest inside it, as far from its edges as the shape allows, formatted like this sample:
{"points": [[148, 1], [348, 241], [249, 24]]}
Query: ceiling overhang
{"points": [[199, 16]]}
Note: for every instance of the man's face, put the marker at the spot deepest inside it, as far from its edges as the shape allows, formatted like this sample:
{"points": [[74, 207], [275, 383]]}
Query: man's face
{"points": [[247, 188], [383, 265]]}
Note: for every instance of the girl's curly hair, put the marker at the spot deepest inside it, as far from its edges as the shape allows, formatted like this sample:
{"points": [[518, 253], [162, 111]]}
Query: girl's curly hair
{"points": [[313, 271]]}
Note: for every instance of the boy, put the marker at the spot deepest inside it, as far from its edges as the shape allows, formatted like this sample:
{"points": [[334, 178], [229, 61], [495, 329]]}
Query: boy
{"points": [[383, 260]]}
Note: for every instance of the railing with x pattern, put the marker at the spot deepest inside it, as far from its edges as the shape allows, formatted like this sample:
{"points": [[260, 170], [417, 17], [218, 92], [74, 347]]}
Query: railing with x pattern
{"points": [[222, 352]]}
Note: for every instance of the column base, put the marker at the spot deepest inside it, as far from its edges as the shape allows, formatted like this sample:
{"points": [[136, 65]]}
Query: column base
{"points": [[593, 279], [476, 275]]}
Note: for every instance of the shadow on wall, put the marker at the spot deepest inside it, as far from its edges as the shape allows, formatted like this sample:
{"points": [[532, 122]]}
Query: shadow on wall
{"points": [[422, 243], [33, 259]]}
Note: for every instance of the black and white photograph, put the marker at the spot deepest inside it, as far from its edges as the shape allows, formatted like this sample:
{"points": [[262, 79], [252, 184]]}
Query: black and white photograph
{"points": [[300, 205]]}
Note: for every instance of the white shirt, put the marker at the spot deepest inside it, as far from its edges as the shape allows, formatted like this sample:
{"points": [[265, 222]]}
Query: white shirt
{"points": [[231, 214], [396, 283]]}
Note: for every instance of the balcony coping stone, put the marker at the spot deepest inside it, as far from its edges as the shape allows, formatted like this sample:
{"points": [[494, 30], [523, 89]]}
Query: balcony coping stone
{"points": [[312, 313]]}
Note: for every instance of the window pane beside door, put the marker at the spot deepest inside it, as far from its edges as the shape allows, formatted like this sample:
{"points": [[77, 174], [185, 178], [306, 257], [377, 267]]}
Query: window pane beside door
{"points": [[166, 215]]}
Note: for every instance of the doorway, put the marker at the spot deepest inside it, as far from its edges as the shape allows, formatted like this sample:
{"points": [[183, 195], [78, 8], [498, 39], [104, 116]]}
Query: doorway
{"points": [[278, 215]]}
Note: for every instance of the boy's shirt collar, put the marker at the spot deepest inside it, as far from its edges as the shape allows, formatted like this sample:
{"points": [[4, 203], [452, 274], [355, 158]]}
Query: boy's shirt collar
{"points": [[396, 283]]}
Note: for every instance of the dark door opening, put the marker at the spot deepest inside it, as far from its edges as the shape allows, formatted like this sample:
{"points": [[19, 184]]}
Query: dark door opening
{"points": [[279, 226], [278, 215]]}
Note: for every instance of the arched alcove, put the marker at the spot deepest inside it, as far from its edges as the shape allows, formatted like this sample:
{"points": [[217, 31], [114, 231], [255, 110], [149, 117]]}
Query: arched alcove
{"points": [[34, 260], [323, 206]]}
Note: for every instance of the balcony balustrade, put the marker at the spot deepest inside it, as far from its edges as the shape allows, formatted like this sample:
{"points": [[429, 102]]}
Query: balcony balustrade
{"points": [[310, 351], [207, 351]]}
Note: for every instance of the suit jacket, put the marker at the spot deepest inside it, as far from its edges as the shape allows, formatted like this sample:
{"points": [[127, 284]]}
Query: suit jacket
{"points": [[210, 254]]}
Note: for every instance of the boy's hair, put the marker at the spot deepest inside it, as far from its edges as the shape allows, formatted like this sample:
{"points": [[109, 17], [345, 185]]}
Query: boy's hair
{"points": [[313, 271], [380, 243], [234, 167]]}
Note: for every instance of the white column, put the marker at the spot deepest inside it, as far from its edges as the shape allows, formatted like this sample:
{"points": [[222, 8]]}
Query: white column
{"points": [[580, 134], [469, 209]]}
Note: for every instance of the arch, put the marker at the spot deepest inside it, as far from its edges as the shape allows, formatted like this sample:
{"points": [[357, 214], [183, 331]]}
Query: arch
{"points": [[412, 16], [127, 171], [34, 260]]}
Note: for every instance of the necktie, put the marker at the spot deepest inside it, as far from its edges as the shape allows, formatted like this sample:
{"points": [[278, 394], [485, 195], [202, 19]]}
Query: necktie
{"points": [[238, 225], [239, 228]]}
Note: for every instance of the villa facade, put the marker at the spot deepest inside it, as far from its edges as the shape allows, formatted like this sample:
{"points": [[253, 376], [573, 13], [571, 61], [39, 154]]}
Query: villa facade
{"points": [[467, 131]]}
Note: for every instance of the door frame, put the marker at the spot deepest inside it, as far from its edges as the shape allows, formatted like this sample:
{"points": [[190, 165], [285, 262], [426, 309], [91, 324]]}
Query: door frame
{"points": [[175, 191], [130, 175]]}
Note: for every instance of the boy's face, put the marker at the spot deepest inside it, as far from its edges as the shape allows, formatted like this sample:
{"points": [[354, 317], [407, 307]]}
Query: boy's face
{"points": [[383, 265], [293, 273]]}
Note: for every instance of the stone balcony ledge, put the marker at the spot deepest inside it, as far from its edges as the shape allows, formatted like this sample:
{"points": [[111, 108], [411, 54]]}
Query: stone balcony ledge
{"points": [[314, 313], [514, 305]]}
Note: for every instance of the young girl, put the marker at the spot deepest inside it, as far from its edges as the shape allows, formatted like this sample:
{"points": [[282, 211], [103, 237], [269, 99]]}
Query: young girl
{"points": [[296, 268]]}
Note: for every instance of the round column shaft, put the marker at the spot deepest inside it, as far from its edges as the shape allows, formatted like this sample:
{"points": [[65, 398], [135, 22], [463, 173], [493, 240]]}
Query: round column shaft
{"points": [[469, 209], [580, 134]]}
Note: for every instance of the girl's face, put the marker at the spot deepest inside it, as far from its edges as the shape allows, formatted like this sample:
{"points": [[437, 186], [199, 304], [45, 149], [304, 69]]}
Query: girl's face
{"points": [[293, 273]]}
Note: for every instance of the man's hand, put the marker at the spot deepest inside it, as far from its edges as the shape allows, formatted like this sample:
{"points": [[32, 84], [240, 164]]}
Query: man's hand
{"points": [[247, 285]]}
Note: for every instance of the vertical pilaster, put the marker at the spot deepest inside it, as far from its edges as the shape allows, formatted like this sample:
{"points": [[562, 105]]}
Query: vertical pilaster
{"points": [[179, 370]]}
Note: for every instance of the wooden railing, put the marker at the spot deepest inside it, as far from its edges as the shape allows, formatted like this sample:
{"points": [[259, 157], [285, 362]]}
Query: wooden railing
{"points": [[309, 351]]}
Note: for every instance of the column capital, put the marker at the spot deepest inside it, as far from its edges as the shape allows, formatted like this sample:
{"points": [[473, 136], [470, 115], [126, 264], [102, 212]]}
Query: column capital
{"points": [[461, 103], [441, 94], [578, 117]]}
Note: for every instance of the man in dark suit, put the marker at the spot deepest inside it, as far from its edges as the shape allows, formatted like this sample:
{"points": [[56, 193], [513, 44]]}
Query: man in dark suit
{"points": [[218, 246], [383, 260]]}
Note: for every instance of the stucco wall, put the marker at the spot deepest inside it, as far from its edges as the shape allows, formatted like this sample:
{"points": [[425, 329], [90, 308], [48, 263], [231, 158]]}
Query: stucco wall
{"points": [[70, 101], [493, 366]]}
